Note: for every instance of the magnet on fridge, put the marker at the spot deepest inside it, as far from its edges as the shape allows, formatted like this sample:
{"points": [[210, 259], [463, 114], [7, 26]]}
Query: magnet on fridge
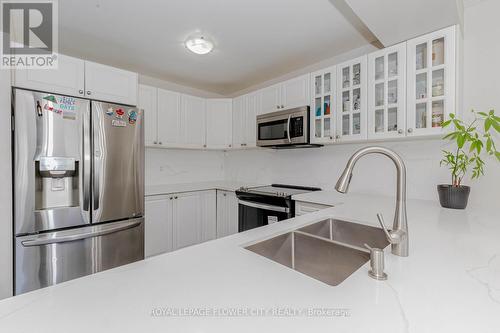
{"points": [[132, 116], [118, 123], [110, 111], [50, 98], [119, 113]]}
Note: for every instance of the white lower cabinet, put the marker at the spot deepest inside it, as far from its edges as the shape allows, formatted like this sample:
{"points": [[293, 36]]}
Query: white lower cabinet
{"points": [[158, 226], [227, 213], [178, 220], [194, 218]]}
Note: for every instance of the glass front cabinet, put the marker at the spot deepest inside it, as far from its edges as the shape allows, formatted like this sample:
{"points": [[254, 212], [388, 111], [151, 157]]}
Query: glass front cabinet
{"points": [[431, 81], [351, 101], [387, 92], [323, 110]]}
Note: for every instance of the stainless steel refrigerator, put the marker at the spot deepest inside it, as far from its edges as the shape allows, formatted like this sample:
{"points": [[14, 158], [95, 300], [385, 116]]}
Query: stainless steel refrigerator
{"points": [[78, 187]]}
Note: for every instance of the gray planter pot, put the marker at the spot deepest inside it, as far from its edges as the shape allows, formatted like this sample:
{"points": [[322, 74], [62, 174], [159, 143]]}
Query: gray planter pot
{"points": [[455, 197]]}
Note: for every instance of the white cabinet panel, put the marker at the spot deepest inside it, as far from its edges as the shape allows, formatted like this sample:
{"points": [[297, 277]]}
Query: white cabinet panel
{"points": [[110, 84], [158, 225], [193, 122], [194, 218], [323, 105], [219, 123], [208, 215], [187, 215], [148, 103], [431, 81], [295, 92], [351, 100], [252, 109], [239, 121], [67, 79], [387, 92], [227, 213], [169, 119], [270, 99]]}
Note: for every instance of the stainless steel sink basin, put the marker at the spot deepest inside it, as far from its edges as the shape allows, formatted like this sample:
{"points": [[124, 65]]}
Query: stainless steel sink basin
{"points": [[348, 232], [329, 250], [318, 258]]}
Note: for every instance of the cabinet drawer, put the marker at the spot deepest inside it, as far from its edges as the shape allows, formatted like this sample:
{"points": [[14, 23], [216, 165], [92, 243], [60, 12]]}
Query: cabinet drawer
{"points": [[302, 208]]}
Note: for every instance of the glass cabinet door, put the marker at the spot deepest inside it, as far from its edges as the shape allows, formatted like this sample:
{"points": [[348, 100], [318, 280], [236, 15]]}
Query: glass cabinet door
{"points": [[431, 81], [387, 92], [352, 104], [323, 106]]}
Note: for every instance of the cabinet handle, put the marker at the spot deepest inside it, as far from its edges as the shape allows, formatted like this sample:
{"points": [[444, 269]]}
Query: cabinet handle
{"points": [[88, 92], [277, 106], [337, 137], [243, 144], [204, 146], [230, 146], [282, 106], [154, 142], [171, 198], [400, 131], [331, 137], [80, 92], [176, 197], [159, 143], [224, 194], [410, 130]]}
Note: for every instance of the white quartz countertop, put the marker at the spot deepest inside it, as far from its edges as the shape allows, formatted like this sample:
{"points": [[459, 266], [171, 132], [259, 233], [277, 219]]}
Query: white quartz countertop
{"points": [[449, 283], [197, 186]]}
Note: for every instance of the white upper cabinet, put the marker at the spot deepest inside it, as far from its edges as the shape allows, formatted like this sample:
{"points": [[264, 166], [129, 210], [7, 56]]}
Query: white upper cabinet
{"points": [[431, 81], [351, 101], [295, 92], [323, 109], [110, 84], [270, 99], [239, 121], [250, 127], [169, 119], [245, 110], [387, 92], [286, 95], [219, 123], [67, 79], [147, 101], [193, 121]]}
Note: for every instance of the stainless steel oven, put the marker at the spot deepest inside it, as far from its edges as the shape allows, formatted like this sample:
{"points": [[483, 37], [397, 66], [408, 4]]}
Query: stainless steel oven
{"points": [[263, 205], [287, 128]]}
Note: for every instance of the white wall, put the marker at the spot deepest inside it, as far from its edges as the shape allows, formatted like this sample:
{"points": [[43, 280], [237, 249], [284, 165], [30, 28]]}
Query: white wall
{"points": [[5, 190], [172, 166]]}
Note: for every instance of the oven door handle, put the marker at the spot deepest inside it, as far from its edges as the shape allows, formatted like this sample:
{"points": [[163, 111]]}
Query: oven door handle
{"points": [[264, 206], [288, 128]]}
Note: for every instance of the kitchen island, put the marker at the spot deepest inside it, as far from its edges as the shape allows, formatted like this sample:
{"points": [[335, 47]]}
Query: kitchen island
{"points": [[449, 283]]}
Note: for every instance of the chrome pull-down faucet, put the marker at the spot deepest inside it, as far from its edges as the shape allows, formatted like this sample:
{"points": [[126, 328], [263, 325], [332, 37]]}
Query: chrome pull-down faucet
{"points": [[398, 236]]}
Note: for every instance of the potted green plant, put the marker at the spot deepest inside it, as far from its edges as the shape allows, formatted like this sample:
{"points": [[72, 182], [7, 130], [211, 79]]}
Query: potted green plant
{"points": [[472, 139]]}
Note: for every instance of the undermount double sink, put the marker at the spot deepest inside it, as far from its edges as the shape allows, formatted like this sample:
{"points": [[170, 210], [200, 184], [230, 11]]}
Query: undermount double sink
{"points": [[329, 250]]}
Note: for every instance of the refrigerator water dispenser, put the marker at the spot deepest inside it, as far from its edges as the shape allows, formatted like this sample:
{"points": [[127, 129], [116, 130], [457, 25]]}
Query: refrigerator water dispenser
{"points": [[57, 180]]}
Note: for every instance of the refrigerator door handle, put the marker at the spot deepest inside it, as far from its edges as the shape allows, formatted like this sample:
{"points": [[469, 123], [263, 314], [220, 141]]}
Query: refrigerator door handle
{"points": [[65, 236], [86, 161]]}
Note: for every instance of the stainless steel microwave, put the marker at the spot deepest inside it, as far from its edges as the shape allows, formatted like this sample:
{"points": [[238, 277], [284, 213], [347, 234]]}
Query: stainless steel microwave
{"points": [[284, 129]]}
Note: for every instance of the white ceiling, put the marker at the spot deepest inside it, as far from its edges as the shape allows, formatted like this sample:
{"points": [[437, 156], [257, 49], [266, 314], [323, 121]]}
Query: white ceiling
{"points": [[394, 21], [256, 40]]}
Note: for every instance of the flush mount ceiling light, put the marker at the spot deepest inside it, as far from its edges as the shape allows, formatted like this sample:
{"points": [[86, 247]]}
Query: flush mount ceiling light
{"points": [[199, 45]]}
